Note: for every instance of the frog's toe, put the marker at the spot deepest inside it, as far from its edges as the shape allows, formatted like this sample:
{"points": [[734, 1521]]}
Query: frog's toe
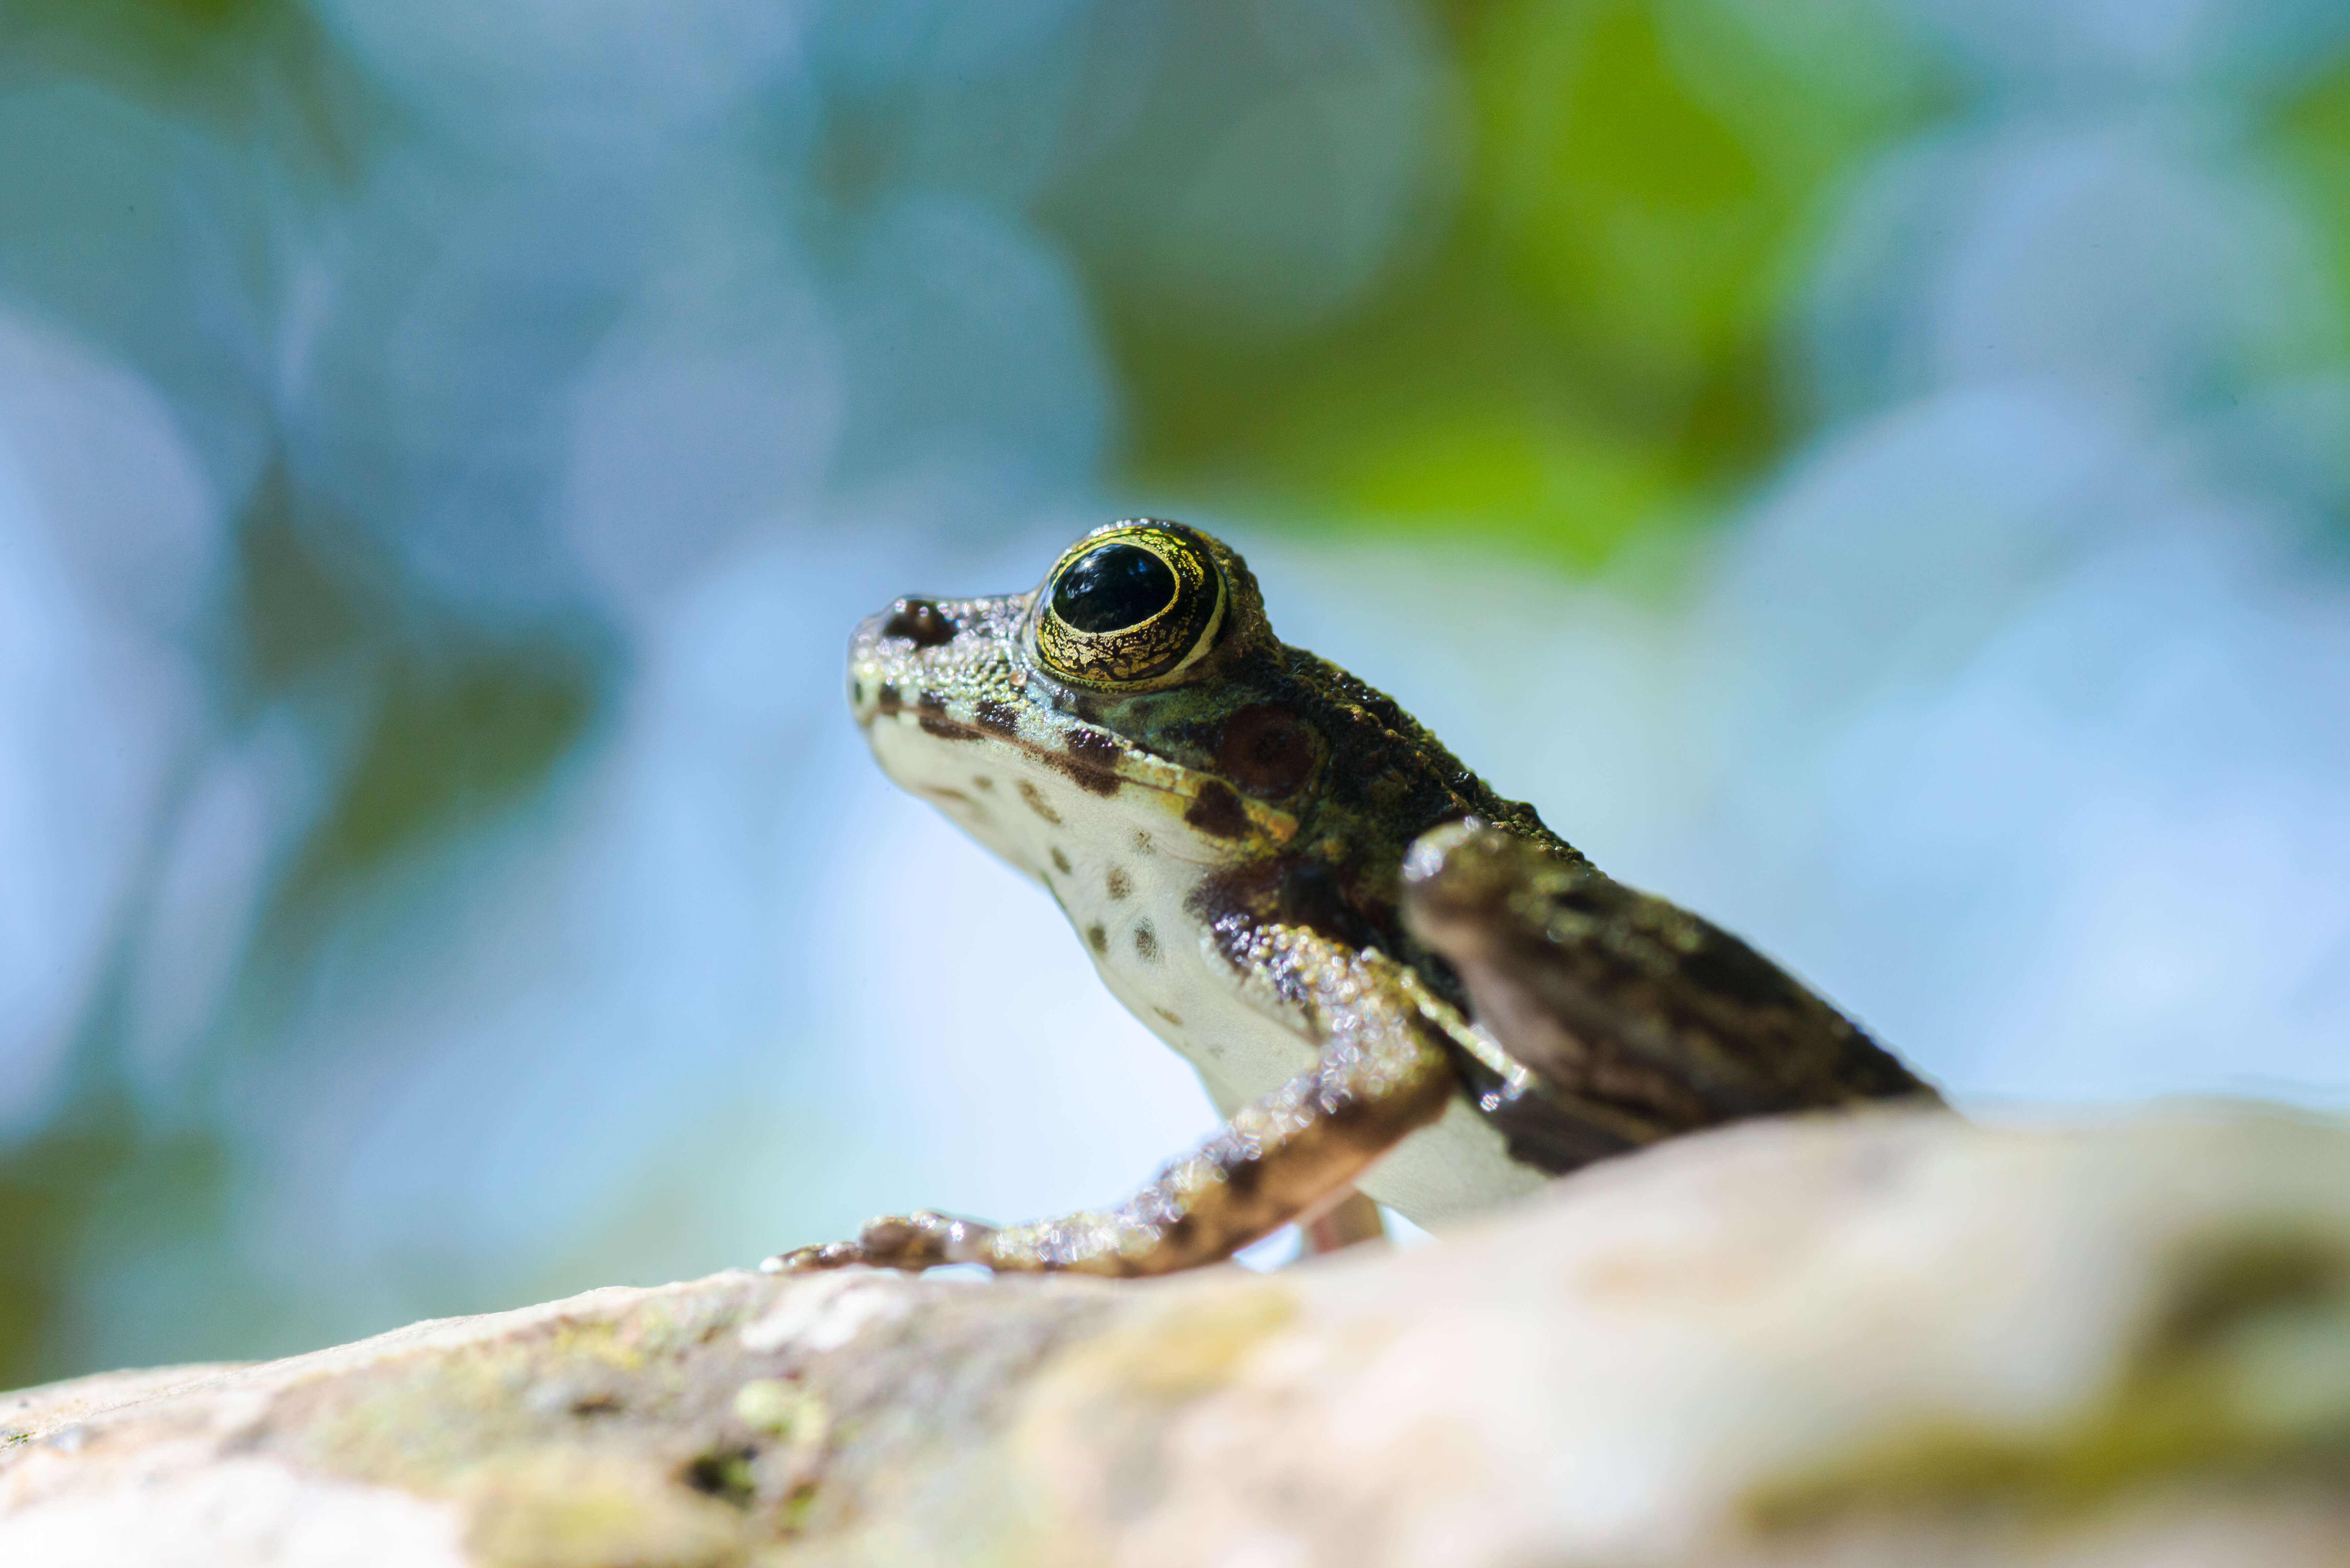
{"points": [[806, 1259], [925, 1239], [921, 1240]]}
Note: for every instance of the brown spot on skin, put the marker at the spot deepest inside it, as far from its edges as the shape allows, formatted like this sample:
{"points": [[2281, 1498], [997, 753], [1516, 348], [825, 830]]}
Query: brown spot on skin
{"points": [[1169, 1016], [945, 730], [1086, 776], [1090, 761], [1267, 750], [1038, 803], [1297, 890], [930, 701], [1093, 747], [1146, 942], [886, 699], [1060, 861], [1098, 937], [919, 622], [1218, 812], [1000, 717], [1142, 845], [1120, 884], [980, 781], [1242, 1174]]}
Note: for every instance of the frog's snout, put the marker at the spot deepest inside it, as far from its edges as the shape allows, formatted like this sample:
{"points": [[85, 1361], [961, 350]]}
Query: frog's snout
{"points": [[880, 650], [903, 650], [922, 622]]}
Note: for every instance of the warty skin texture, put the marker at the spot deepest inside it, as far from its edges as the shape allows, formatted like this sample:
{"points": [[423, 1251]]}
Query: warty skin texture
{"points": [[1300, 889]]}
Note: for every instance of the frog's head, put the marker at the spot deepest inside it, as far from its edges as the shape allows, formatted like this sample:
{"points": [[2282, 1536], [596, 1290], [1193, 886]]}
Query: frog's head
{"points": [[1132, 733], [1113, 712]]}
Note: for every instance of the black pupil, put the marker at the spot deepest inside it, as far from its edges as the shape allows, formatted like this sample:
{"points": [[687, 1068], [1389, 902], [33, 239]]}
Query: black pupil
{"points": [[1114, 587]]}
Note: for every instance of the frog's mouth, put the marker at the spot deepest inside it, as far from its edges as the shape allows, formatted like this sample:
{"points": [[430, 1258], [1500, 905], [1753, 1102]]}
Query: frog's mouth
{"points": [[969, 756], [932, 684]]}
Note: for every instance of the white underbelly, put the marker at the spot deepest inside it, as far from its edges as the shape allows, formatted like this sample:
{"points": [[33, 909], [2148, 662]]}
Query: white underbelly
{"points": [[1450, 1171], [1438, 1175]]}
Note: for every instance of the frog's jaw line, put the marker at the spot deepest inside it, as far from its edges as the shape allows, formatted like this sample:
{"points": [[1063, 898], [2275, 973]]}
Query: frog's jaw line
{"points": [[968, 697], [982, 760], [1023, 804], [1124, 868]]}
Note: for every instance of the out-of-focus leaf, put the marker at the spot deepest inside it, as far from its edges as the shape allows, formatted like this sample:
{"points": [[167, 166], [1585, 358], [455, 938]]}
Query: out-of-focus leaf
{"points": [[2313, 136], [1649, 166], [93, 1159], [308, 596], [1588, 349], [456, 720], [458, 731], [262, 70]]}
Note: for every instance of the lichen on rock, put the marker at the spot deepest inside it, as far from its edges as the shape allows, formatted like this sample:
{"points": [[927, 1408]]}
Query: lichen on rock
{"points": [[1889, 1339]]}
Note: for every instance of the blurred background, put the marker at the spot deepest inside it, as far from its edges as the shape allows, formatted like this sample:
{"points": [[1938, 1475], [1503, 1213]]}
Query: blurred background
{"points": [[1874, 470]]}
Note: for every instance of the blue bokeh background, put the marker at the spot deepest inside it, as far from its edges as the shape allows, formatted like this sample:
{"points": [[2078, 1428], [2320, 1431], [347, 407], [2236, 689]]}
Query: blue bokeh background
{"points": [[1874, 470]]}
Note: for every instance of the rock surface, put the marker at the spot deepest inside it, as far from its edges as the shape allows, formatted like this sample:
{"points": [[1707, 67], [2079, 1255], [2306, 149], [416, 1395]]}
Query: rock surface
{"points": [[1901, 1339]]}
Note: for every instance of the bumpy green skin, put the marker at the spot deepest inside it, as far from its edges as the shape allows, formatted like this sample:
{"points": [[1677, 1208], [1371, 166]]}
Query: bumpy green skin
{"points": [[1610, 1018]]}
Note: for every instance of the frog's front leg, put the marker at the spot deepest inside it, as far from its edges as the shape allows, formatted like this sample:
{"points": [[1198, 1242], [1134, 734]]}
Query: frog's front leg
{"points": [[1382, 1072]]}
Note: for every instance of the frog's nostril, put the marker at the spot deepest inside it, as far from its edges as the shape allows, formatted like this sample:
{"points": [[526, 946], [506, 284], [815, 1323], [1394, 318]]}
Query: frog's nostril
{"points": [[919, 622]]}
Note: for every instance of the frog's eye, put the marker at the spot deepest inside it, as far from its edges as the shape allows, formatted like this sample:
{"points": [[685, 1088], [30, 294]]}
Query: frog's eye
{"points": [[1131, 603]]}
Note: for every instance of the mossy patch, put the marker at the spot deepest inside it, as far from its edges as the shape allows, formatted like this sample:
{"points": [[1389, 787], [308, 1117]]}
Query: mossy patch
{"points": [[1193, 1354], [424, 1422], [727, 1474], [653, 1429], [579, 1509], [1117, 1396]]}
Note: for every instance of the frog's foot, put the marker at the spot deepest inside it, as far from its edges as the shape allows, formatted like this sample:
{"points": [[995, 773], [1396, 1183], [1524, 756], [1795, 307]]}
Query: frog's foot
{"points": [[1384, 1073], [921, 1240]]}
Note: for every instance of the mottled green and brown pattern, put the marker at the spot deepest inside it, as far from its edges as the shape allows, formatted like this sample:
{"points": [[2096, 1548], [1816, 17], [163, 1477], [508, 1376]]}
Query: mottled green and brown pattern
{"points": [[1387, 976]]}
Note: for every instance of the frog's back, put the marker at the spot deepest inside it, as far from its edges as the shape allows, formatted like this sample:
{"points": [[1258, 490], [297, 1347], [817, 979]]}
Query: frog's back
{"points": [[1631, 1019]]}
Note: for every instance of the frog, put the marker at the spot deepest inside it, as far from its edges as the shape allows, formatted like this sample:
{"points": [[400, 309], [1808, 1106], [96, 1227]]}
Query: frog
{"points": [[1398, 987]]}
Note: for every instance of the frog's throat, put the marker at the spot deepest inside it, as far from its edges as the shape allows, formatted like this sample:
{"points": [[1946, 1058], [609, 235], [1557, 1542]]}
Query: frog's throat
{"points": [[935, 749]]}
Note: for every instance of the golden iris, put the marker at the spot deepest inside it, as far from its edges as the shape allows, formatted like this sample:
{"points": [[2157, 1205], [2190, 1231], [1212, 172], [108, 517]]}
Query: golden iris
{"points": [[1131, 603]]}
